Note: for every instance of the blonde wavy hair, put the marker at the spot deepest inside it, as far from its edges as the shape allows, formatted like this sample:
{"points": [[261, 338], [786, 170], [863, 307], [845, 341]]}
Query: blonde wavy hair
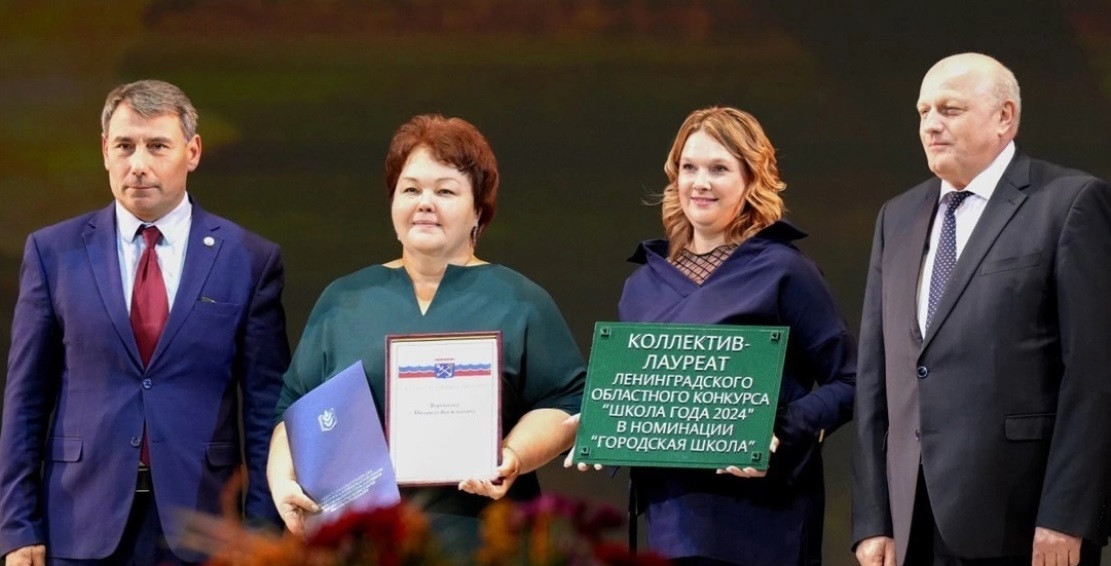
{"points": [[743, 137]]}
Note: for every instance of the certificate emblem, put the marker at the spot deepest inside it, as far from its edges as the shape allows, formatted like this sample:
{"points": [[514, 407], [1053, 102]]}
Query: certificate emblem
{"points": [[327, 420], [445, 369]]}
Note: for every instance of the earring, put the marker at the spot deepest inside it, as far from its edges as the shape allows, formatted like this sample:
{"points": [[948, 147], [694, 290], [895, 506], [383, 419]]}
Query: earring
{"points": [[474, 235]]}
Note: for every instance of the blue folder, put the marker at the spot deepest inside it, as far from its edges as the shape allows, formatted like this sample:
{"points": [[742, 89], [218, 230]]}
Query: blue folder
{"points": [[338, 448]]}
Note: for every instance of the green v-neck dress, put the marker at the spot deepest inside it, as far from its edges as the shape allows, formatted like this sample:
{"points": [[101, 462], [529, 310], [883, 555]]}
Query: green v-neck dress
{"points": [[542, 365]]}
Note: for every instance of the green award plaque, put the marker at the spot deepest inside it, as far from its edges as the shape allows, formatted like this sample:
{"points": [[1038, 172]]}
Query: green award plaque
{"points": [[681, 395]]}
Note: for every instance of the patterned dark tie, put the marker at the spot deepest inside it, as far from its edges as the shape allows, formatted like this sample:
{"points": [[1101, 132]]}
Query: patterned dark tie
{"points": [[946, 258], [149, 308]]}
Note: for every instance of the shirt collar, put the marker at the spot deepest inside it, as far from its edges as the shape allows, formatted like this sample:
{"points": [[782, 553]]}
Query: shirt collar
{"points": [[983, 185], [174, 225]]}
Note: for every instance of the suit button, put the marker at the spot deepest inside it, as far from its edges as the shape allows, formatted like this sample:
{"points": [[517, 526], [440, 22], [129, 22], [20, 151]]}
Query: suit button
{"points": [[136, 441], [146, 383], [923, 372], [917, 434]]}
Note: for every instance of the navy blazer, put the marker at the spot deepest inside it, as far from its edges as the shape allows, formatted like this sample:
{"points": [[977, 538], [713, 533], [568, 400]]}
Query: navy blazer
{"points": [[776, 519], [77, 394]]}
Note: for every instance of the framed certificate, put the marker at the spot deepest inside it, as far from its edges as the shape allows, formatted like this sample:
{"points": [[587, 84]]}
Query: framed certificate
{"points": [[443, 406]]}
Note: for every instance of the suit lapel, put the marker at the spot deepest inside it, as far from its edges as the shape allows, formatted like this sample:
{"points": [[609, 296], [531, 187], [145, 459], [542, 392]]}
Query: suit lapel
{"points": [[104, 260], [1005, 201], [909, 262], [200, 255]]}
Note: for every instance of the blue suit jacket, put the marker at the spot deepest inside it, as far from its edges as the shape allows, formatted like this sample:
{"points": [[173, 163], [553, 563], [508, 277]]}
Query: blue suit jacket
{"points": [[77, 394]]}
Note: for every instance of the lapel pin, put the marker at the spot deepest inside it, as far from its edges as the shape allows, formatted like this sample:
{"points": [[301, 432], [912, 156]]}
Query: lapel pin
{"points": [[209, 241]]}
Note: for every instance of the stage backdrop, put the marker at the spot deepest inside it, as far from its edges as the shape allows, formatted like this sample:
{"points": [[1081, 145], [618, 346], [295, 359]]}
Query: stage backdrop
{"points": [[579, 98]]}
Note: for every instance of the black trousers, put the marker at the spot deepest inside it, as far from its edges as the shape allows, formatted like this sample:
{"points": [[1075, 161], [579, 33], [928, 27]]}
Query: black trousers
{"points": [[926, 547], [143, 542]]}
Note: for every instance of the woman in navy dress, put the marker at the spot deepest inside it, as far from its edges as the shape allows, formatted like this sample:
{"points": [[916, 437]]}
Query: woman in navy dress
{"points": [[729, 258]]}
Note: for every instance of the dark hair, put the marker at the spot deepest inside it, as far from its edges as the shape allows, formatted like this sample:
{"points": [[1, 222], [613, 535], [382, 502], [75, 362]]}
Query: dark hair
{"points": [[453, 141]]}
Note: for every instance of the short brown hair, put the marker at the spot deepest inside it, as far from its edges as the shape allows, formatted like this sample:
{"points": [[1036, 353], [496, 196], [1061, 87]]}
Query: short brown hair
{"points": [[150, 99], [453, 141], [743, 137]]}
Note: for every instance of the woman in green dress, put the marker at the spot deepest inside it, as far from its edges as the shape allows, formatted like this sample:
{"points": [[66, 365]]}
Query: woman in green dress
{"points": [[442, 182]]}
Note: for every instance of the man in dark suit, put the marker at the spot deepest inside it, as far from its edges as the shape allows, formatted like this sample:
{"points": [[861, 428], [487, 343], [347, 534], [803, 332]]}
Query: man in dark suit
{"points": [[143, 334], [983, 399]]}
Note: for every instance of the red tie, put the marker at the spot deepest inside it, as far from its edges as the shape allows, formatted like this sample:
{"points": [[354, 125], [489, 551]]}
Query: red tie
{"points": [[149, 308]]}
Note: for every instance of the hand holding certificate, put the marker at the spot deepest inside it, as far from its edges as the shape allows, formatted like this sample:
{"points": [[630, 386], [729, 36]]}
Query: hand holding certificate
{"points": [[443, 409]]}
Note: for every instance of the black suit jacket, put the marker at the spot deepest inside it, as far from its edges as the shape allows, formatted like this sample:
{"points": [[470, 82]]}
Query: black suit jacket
{"points": [[1006, 401]]}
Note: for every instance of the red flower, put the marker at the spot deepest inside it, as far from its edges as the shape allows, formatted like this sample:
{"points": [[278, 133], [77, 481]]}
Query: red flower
{"points": [[549, 531], [592, 524]]}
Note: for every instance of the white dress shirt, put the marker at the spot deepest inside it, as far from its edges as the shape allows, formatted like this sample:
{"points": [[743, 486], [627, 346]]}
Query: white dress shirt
{"points": [[981, 187], [170, 249]]}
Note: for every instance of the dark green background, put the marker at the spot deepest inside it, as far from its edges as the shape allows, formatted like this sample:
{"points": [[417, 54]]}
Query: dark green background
{"points": [[579, 98]]}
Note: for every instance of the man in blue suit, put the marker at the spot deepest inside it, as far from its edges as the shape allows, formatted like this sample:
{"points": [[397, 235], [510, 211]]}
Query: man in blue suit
{"points": [[143, 334]]}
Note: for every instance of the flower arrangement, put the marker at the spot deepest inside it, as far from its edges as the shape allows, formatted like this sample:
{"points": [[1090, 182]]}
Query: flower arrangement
{"points": [[554, 531], [548, 531]]}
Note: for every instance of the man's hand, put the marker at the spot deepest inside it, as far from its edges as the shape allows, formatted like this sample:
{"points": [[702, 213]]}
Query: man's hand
{"points": [[1052, 548], [27, 556], [876, 551]]}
